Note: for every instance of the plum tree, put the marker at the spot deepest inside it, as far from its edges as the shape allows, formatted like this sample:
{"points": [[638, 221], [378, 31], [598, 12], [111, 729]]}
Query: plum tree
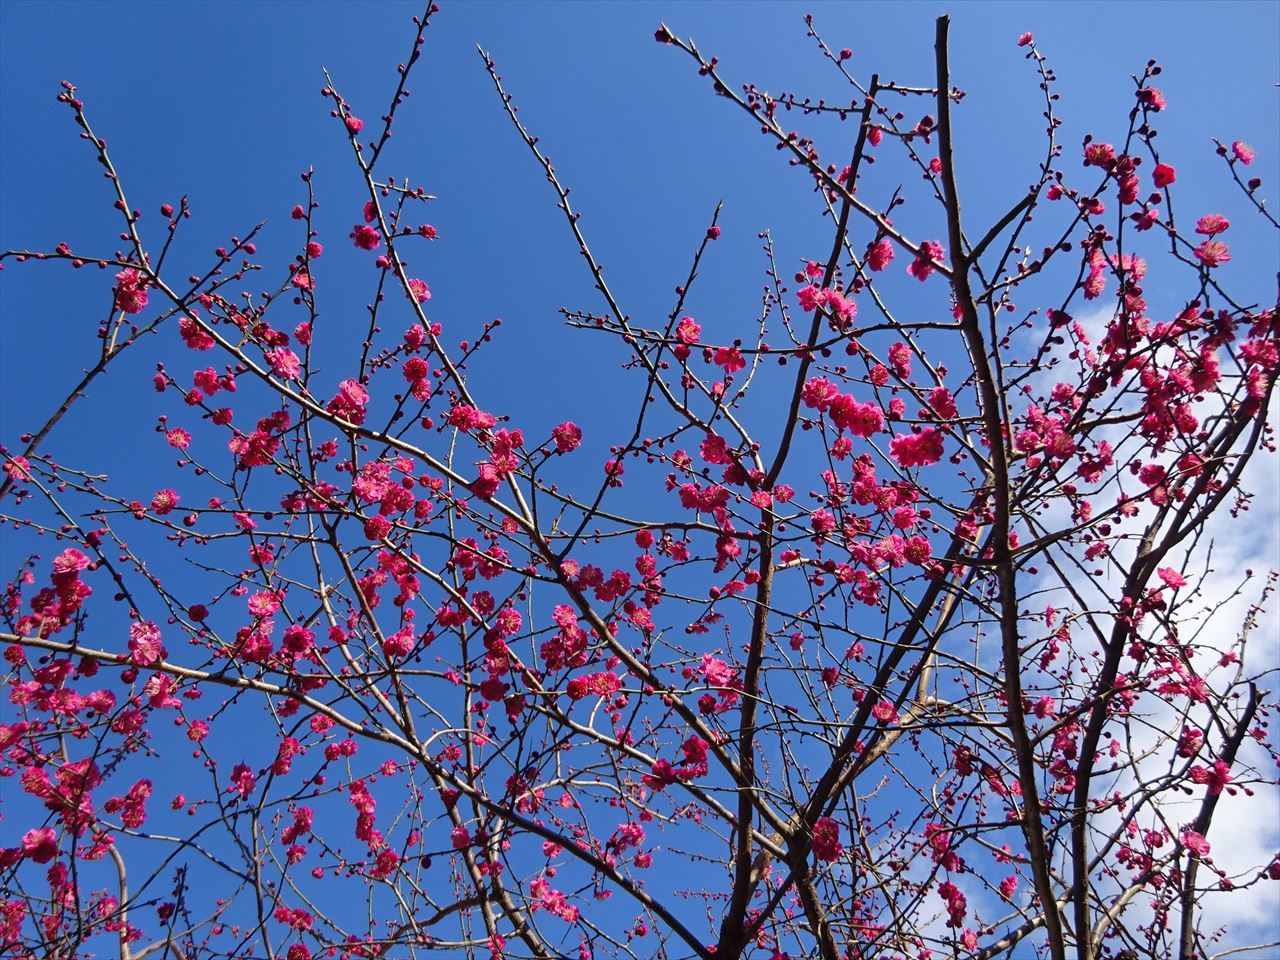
{"points": [[880, 631]]}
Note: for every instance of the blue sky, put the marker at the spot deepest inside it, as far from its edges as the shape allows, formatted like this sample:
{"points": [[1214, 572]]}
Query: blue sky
{"points": [[219, 101]]}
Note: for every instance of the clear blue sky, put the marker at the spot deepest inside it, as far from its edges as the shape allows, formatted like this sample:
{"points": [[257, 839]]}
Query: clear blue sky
{"points": [[220, 101]]}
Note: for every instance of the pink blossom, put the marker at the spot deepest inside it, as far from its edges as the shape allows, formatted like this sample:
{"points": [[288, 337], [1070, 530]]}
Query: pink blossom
{"points": [[1216, 777], [716, 671], [366, 237], [1025, 39], [884, 712], [917, 449], [688, 330], [131, 291], [349, 402], [243, 780], [841, 308], [900, 359], [194, 337], [822, 522], [957, 903], [264, 603], [285, 364], [730, 358], [924, 263], [415, 369], [811, 298], [826, 840], [396, 646], [144, 643], [1195, 842], [1163, 175], [376, 528], [860, 419], [418, 290], [298, 640], [880, 255], [1190, 741], [163, 502], [40, 844], [466, 417], [487, 481], [943, 404], [1152, 98], [1099, 155], [18, 467], [1213, 253], [567, 437], [818, 392], [1212, 224], [134, 804], [1243, 152]]}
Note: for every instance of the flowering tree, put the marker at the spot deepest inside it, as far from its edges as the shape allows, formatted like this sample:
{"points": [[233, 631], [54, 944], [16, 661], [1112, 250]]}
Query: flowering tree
{"points": [[879, 633]]}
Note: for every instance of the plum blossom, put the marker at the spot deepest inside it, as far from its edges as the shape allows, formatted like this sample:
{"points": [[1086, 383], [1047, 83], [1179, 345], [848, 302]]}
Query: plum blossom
{"points": [[860, 419], [1213, 253], [826, 840], [717, 672], [917, 449], [567, 437], [1216, 777], [131, 291], [366, 237], [1152, 98], [942, 403], [163, 502], [145, 647], [900, 359], [924, 263], [349, 402], [397, 645], [1099, 155], [418, 290], [1212, 224], [40, 844], [1195, 842], [880, 255], [285, 364], [730, 358], [1243, 152], [818, 392]]}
